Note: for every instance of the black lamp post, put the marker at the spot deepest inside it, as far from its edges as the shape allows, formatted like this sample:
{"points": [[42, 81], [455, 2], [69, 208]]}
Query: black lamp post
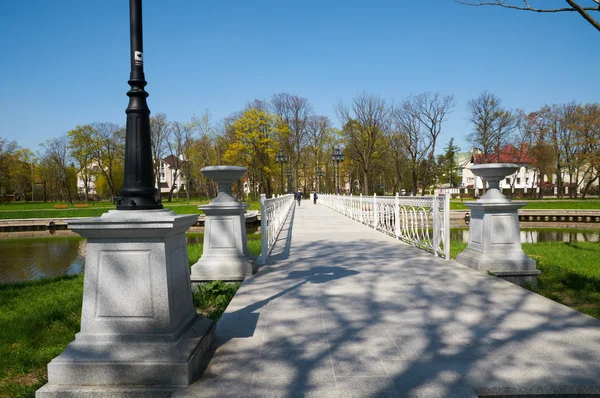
{"points": [[281, 158], [288, 173], [337, 157], [138, 192], [319, 175]]}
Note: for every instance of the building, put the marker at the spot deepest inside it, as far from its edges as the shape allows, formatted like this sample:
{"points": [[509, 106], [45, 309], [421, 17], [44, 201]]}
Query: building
{"points": [[525, 177], [171, 175]]}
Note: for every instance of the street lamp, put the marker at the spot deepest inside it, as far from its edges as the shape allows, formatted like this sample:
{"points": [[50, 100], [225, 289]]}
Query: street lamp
{"points": [[288, 173], [337, 157], [319, 175], [138, 192], [281, 158]]}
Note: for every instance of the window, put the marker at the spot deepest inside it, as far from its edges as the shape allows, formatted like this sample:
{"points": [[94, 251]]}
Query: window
{"points": [[161, 172], [508, 181], [518, 180], [527, 180]]}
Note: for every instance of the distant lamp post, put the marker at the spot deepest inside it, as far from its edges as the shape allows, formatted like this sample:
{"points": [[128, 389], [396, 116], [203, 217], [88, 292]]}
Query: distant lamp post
{"points": [[337, 157], [138, 192], [319, 175], [288, 173], [281, 158]]}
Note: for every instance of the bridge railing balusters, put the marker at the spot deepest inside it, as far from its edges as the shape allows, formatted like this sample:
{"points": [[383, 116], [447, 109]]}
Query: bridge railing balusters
{"points": [[423, 222], [273, 213]]}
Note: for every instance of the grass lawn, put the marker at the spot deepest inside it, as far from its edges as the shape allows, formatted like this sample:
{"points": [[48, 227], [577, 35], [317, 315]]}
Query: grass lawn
{"points": [[13, 211], [38, 319], [570, 272]]}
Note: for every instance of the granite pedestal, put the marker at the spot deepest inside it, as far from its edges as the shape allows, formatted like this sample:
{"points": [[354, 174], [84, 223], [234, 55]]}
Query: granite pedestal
{"points": [[494, 233], [140, 333], [225, 255]]}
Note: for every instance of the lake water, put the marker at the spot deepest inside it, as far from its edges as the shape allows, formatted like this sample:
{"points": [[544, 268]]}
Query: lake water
{"points": [[44, 255], [535, 235]]}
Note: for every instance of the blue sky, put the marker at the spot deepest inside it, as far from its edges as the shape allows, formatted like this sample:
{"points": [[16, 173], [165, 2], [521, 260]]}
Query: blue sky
{"points": [[66, 63]]}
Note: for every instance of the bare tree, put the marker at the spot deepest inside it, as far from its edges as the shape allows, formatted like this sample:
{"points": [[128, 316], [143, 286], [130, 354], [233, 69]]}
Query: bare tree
{"points": [[159, 131], [56, 151], [318, 127], [363, 127], [524, 5], [407, 126], [492, 124], [432, 111], [179, 142], [294, 111]]}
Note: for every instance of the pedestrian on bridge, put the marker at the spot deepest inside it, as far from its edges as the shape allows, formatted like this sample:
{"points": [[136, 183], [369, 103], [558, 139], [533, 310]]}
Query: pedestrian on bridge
{"points": [[299, 197], [315, 197]]}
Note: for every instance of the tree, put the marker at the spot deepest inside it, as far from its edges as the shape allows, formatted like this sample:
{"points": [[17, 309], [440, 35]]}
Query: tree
{"points": [[7, 155], [255, 137], [432, 111], [80, 149], [363, 128], [318, 127], [295, 112], [524, 5], [159, 132], [108, 151], [412, 138], [179, 142], [57, 154], [493, 125], [448, 164]]}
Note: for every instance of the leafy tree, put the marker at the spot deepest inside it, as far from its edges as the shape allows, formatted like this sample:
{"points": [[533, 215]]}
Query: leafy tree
{"points": [[80, 149], [107, 147], [255, 139], [8, 150]]}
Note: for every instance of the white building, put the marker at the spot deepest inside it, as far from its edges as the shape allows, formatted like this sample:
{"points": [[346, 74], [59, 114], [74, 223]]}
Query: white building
{"points": [[525, 177], [171, 175]]}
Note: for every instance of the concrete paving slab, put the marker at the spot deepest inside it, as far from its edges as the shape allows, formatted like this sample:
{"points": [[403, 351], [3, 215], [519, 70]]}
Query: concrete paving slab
{"points": [[342, 310]]}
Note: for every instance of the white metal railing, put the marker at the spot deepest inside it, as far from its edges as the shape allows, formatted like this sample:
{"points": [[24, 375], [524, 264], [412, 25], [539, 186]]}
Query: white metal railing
{"points": [[273, 213], [421, 221]]}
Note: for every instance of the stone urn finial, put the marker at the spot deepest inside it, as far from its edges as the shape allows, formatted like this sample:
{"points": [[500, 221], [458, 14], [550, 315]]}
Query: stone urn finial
{"points": [[493, 173], [224, 176]]}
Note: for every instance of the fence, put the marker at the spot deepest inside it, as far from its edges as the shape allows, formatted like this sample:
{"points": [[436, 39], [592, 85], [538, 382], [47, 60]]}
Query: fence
{"points": [[273, 213], [421, 221]]}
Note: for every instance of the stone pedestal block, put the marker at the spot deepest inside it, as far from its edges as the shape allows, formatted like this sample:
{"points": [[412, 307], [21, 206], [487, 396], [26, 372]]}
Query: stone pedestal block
{"points": [[225, 255], [494, 233], [140, 333]]}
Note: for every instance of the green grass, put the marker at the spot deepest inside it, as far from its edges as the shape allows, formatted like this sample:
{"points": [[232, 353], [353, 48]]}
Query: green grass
{"points": [[570, 272], [212, 298], [46, 210], [38, 319]]}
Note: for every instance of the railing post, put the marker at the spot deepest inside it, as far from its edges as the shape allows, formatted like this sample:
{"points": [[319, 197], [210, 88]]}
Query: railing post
{"points": [[447, 227], [437, 231], [263, 231], [360, 202], [375, 212], [397, 215]]}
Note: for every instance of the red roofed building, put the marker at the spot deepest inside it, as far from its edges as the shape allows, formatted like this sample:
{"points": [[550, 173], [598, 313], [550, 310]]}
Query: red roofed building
{"points": [[525, 177]]}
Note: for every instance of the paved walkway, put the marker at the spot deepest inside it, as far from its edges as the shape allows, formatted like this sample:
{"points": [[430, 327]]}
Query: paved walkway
{"points": [[346, 311]]}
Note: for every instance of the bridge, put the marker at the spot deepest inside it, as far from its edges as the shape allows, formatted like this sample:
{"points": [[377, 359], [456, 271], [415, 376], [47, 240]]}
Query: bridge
{"points": [[343, 310]]}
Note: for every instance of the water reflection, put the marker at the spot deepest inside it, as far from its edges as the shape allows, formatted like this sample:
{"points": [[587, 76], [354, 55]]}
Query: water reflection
{"points": [[34, 255], [534, 236], [30, 259]]}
